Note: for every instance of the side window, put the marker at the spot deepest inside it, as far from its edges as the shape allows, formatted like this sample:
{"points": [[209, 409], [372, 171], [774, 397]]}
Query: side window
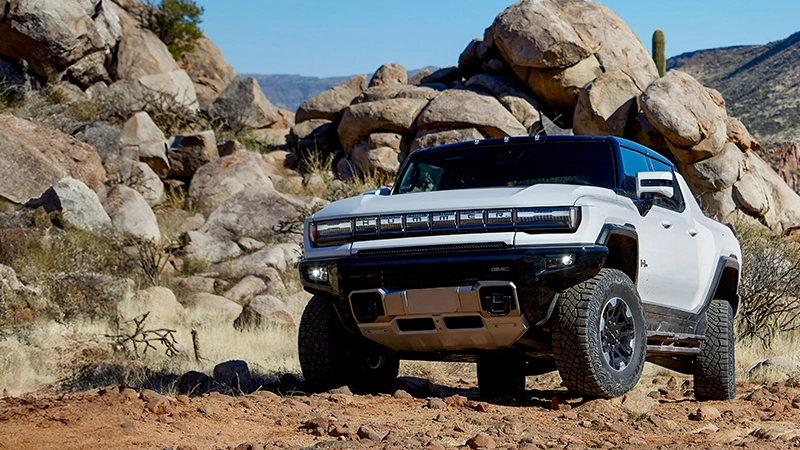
{"points": [[632, 163], [674, 203]]}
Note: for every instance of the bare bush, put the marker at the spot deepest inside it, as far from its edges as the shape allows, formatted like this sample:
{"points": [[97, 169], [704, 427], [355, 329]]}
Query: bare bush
{"points": [[770, 285], [141, 340]]}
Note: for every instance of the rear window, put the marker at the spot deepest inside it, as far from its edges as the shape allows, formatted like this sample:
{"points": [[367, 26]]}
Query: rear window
{"points": [[510, 165]]}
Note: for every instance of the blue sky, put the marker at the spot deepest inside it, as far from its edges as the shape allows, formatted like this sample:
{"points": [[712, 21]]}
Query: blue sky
{"points": [[345, 37]]}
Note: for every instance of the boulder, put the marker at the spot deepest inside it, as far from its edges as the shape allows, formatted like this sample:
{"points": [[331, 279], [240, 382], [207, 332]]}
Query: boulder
{"points": [[537, 34], [208, 70], [264, 311], [188, 286], [462, 108], [687, 115], [606, 105], [417, 77], [175, 86], [136, 175], [52, 36], [738, 134], [751, 195], [160, 302], [515, 96], [359, 120], [189, 152], [244, 291], [318, 135], [559, 88], [446, 76], [386, 139], [261, 263], [142, 137], [387, 74], [643, 132], [211, 308], [469, 63], [34, 157], [369, 159], [140, 52], [423, 91], [243, 105], [255, 212], [432, 138], [130, 213], [616, 46], [330, 104], [716, 173], [79, 206], [235, 374], [219, 179]]}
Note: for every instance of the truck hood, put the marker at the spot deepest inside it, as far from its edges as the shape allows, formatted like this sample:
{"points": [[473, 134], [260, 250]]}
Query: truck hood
{"points": [[462, 199]]}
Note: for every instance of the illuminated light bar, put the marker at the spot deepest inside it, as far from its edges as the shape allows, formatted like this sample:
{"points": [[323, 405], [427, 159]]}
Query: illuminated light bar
{"points": [[528, 220], [332, 232]]}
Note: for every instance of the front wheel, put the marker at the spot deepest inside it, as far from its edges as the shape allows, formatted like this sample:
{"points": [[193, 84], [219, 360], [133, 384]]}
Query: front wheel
{"points": [[331, 357], [599, 337], [715, 366]]}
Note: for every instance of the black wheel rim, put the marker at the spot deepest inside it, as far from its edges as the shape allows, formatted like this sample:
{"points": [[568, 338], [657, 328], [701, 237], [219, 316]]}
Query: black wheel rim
{"points": [[617, 334]]}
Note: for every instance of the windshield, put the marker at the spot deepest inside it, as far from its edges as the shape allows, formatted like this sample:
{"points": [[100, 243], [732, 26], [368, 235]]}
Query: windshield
{"points": [[510, 165]]}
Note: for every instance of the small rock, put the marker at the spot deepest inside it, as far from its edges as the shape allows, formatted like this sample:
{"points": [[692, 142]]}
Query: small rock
{"points": [[205, 409], [249, 446], [559, 404], [235, 374], [570, 415], [317, 422], [184, 399], [758, 394], [180, 426], [401, 394], [365, 432], [456, 400], [435, 403], [344, 390], [481, 440], [707, 412]]}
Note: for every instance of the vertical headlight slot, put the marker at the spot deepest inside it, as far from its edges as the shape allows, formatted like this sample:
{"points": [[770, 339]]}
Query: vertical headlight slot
{"points": [[471, 220], [443, 222], [366, 227], [419, 223], [391, 226]]}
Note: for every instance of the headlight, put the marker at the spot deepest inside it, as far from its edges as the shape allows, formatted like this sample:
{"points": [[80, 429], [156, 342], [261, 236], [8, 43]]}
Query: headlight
{"points": [[332, 232], [566, 218]]}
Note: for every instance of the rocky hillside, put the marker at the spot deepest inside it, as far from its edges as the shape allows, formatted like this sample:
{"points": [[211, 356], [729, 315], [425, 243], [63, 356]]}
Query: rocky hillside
{"points": [[760, 83]]}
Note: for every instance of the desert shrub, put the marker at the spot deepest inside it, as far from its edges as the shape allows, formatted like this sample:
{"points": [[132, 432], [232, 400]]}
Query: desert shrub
{"points": [[171, 116], [175, 22], [770, 285]]}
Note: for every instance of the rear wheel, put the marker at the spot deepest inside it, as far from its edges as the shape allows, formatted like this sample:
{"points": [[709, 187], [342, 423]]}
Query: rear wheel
{"points": [[331, 357], [500, 374], [715, 366], [599, 338]]}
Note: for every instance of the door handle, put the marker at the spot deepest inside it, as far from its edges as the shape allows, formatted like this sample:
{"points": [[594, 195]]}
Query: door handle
{"points": [[666, 224], [692, 232]]}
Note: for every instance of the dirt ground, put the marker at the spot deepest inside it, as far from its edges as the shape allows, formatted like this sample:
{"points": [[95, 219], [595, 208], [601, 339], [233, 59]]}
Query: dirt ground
{"points": [[659, 413]]}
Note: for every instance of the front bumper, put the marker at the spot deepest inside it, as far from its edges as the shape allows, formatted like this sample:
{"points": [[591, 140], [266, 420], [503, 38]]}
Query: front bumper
{"points": [[450, 300]]}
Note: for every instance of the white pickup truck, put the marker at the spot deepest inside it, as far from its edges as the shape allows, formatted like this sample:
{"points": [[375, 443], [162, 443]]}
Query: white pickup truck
{"points": [[588, 255]]}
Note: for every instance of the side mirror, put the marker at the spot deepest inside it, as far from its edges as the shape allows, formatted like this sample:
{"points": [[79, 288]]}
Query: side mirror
{"points": [[381, 191], [656, 183]]}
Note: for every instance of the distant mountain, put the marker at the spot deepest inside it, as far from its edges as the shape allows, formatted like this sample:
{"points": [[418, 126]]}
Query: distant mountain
{"points": [[760, 83], [289, 91]]}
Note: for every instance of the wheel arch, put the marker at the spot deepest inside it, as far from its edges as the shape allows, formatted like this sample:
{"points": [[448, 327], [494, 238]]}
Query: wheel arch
{"points": [[622, 242], [727, 282]]}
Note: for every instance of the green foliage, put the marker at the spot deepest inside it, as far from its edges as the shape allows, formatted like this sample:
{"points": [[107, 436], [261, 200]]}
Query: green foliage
{"points": [[175, 22], [659, 52]]}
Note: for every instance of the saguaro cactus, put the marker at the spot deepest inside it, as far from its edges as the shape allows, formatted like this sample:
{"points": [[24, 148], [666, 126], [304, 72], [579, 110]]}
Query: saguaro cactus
{"points": [[659, 48]]}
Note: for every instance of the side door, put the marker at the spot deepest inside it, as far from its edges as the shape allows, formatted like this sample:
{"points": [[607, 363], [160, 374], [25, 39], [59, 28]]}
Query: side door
{"points": [[668, 269]]}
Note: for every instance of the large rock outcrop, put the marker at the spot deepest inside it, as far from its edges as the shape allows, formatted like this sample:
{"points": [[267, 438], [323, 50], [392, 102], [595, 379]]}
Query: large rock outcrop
{"points": [[243, 105], [208, 69], [34, 157]]}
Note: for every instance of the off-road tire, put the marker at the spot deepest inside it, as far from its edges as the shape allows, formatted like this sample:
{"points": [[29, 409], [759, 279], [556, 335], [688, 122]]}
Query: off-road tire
{"points": [[584, 358], [715, 367], [331, 357], [500, 374]]}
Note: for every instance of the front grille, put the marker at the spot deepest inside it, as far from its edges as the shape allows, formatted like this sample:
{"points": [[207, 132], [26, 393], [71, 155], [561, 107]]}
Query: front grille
{"points": [[432, 249], [423, 276]]}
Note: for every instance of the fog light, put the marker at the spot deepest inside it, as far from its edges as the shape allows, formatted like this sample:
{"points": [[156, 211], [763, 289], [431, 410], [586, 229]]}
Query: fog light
{"points": [[318, 274], [559, 261]]}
